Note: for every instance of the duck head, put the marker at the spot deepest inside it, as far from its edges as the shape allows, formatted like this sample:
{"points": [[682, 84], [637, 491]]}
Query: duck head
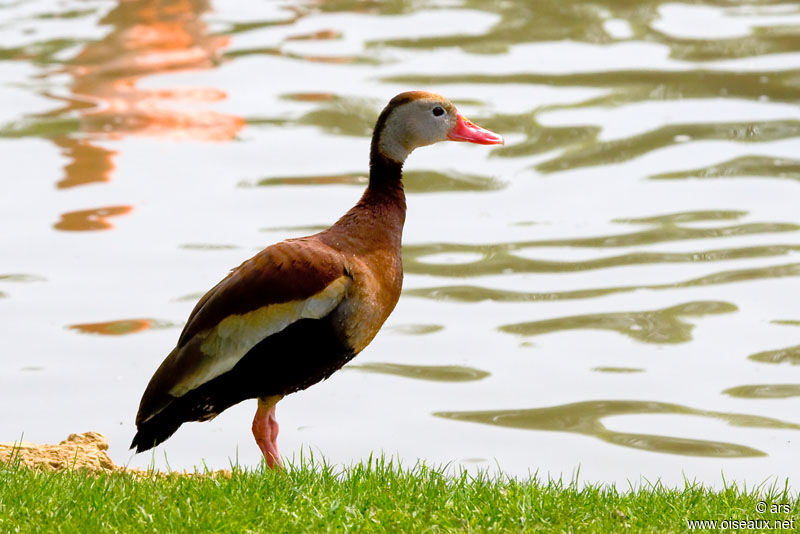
{"points": [[419, 118]]}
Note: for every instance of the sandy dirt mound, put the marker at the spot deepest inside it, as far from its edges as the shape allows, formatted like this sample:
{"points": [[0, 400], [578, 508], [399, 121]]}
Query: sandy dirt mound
{"points": [[79, 451]]}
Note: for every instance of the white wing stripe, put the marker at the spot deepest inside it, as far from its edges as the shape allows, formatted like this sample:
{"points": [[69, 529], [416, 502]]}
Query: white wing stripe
{"points": [[234, 336]]}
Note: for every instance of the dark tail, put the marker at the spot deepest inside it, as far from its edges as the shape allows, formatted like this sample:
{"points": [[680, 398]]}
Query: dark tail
{"points": [[157, 429], [193, 406]]}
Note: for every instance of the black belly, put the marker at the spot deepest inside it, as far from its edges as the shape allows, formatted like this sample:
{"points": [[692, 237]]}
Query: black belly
{"points": [[304, 353]]}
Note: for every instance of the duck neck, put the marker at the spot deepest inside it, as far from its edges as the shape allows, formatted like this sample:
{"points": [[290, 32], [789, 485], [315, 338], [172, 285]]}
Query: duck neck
{"points": [[376, 221], [385, 182]]}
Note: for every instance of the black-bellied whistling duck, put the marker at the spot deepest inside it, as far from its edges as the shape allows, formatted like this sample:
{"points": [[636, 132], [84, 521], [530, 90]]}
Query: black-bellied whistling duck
{"points": [[299, 310]]}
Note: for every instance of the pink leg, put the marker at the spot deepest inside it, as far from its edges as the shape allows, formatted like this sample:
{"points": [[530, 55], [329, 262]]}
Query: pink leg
{"points": [[265, 430]]}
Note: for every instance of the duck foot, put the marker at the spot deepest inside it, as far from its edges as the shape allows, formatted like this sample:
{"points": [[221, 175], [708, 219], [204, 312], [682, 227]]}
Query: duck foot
{"points": [[265, 430]]}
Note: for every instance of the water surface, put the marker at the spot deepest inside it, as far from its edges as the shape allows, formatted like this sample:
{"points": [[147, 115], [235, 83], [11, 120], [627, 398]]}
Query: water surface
{"points": [[613, 289]]}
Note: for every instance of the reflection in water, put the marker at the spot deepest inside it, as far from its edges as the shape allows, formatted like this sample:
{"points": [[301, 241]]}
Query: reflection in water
{"points": [[499, 258], [522, 21], [686, 217], [343, 116], [191, 297], [90, 220], [280, 51], [275, 51], [414, 329], [359, 179], [435, 181], [789, 322], [581, 147], [765, 391], [437, 373], [309, 97], [120, 327], [305, 70], [789, 354], [541, 139], [319, 35], [585, 418], [745, 166], [21, 277], [497, 261], [658, 326], [465, 293], [628, 86], [696, 83], [604, 152], [88, 162], [147, 37], [617, 370]]}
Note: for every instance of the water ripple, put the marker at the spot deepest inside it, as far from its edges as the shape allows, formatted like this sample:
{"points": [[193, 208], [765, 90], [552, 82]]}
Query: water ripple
{"points": [[470, 293], [745, 166], [436, 373], [765, 391], [788, 355], [656, 326], [586, 418]]}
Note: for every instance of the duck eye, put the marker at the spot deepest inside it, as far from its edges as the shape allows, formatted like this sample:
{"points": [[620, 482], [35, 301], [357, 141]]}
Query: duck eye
{"points": [[438, 111]]}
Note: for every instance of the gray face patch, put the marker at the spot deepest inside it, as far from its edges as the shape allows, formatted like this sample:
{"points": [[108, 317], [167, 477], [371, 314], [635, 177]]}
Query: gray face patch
{"points": [[415, 124]]}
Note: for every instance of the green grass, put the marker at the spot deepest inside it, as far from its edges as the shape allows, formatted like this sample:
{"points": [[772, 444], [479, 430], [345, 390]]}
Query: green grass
{"points": [[377, 496]]}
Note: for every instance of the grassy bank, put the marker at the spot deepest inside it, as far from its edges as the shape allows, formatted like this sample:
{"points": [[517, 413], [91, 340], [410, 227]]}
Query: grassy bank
{"points": [[373, 497]]}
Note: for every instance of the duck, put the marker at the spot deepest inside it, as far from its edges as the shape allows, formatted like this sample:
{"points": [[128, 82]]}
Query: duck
{"points": [[300, 309]]}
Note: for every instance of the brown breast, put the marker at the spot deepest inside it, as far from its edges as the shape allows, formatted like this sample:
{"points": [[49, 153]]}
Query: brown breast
{"points": [[369, 236], [377, 282]]}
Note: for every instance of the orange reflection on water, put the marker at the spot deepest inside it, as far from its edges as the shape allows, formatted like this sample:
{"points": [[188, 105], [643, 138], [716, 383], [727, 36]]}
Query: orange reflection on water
{"points": [[88, 163], [114, 328], [90, 220], [330, 59], [147, 37], [316, 36], [311, 97]]}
